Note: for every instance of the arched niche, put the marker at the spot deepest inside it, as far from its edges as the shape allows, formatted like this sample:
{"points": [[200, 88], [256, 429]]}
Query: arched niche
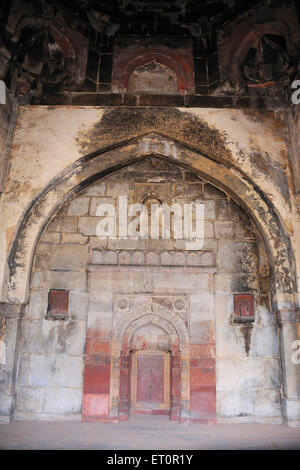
{"points": [[177, 60], [99, 164], [153, 78], [149, 313]]}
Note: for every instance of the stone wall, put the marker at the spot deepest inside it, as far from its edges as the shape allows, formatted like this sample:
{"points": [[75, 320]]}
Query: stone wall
{"points": [[8, 330], [242, 151], [294, 125], [6, 117], [99, 273], [250, 142], [207, 87]]}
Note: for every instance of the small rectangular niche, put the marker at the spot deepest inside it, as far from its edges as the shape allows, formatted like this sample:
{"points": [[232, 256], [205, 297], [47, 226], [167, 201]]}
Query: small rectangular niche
{"points": [[244, 308], [58, 304]]}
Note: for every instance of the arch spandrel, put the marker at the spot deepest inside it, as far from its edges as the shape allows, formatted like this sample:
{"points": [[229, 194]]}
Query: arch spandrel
{"points": [[153, 313]]}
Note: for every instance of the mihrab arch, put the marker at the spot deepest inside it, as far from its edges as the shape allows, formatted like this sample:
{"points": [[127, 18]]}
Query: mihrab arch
{"points": [[170, 322], [94, 166], [91, 168]]}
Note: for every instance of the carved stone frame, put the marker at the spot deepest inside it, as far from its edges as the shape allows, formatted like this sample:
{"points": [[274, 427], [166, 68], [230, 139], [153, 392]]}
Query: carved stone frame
{"points": [[156, 314], [165, 405]]}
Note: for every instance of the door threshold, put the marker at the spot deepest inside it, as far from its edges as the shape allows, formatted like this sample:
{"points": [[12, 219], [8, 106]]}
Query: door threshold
{"points": [[135, 411]]}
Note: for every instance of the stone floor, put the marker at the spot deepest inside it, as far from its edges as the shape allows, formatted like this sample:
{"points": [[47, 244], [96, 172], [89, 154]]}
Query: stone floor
{"points": [[151, 432]]}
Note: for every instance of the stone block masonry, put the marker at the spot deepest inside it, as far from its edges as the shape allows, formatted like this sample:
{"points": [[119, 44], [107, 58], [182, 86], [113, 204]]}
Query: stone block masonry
{"points": [[107, 279]]}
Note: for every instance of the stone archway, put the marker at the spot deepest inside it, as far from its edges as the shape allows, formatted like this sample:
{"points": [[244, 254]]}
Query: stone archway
{"points": [[119, 380], [88, 169], [176, 60]]}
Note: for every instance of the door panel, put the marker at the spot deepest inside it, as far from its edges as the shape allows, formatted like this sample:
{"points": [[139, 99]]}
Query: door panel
{"points": [[150, 379], [150, 382]]}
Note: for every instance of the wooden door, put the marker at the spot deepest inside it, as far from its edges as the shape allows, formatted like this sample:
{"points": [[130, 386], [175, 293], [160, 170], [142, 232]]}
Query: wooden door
{"points": [[150, 382], [150, 379]]}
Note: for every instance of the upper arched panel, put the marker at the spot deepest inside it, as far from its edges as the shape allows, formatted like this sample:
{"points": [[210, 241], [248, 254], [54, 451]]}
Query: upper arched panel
{"points": [[99, 164], [129, 59]]}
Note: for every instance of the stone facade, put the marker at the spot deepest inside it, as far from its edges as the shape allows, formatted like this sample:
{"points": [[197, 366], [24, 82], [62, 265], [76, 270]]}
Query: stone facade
{"points": [[104, 290], [185, 106], [7, 118]]}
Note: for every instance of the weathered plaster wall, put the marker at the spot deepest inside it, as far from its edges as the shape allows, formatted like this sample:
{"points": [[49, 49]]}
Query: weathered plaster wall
{"points": [[6, 124], [8, 331], [251, 144], [101, 273], [293, 115], [254, 142], [293, 124]]}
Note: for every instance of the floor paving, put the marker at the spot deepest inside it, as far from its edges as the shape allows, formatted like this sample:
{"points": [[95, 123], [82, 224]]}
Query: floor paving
{"points": [[145, 432]]}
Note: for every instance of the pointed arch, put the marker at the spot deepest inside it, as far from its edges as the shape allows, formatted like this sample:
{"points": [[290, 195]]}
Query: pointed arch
{"points": [[90, 168], [150, 312]]}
